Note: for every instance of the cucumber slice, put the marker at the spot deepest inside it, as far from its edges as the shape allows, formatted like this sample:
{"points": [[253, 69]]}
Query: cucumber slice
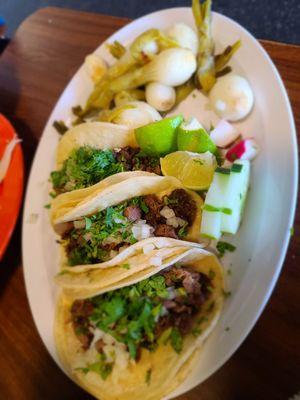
{"points": [[217, 193], [211, 224], [236, 196]]}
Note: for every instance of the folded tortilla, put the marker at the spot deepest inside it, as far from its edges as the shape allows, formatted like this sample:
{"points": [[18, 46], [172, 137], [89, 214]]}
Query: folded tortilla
{"points": [[140, 259], [113, 190], [156, 373], [99, 135]]}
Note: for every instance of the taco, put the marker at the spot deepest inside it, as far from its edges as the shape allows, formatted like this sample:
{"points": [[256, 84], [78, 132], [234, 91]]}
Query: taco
{"points": [[99, 222], [139, 340], [92, 151]]}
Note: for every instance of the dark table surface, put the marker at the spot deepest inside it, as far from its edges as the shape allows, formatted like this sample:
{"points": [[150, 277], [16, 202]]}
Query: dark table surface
{"points": [[274, 20], [45, 53]]}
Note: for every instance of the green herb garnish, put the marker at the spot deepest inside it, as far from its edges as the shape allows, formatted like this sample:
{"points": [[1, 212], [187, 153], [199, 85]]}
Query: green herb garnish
{"points": [[148, 376], [222, 247], [60, 127], [176, 340], [84, 245], [84, 167]]}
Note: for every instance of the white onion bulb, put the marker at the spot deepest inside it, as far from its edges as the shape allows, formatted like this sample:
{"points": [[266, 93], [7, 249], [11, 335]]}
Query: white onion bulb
{"points": [[232, 97], [159, 96]]}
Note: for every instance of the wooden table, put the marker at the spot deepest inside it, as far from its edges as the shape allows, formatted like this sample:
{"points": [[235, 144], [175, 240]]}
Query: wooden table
{"points": [[46, 51]]}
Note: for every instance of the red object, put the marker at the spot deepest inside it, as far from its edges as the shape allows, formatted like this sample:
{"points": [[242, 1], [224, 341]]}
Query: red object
{"points": [[236, 151], [11, 188]]}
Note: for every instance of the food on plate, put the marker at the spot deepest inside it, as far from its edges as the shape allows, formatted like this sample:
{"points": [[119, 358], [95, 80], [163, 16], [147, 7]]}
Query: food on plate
{"points": [[132, 114], [185, 36], [92, 151], [159, 138], [95, 67], [225, 200], [245, 149], [138, 339], [116, 49], [194, 170], [138, 259], [159, 96], [191, 136], [224, 134], [208, 65], [232, 97], [125, 96], [139, 294], [99, 222], [171, 67]]}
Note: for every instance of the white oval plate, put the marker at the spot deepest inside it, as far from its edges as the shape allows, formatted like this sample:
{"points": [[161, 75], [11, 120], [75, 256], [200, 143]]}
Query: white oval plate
{"points": [[263, 238]]}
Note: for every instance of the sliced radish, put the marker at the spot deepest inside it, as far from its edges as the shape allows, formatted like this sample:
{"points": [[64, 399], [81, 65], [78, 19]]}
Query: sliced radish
{"points": [[246, 149], [5, 161], [224, 133]]}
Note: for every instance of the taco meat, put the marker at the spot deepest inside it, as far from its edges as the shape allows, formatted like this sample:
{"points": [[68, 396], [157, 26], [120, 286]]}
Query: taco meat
{"points": [[100, 237], [157, 310]]}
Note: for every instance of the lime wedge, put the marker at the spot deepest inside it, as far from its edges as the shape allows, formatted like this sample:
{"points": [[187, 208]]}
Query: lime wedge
{"points": [[194, 170], [159, 138], [191, 136]]}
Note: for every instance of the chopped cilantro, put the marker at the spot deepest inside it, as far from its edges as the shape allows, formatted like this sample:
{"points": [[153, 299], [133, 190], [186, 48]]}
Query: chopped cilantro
{"points": [[226, 293], [129, 314], [196, 331], [100, 367], [47, 206], [183, 230], [211, 274], [60, 127], [148, 376], [88, 223], [84, 167], [125, 266], [176, 340], [84, 245], [222, 247]]}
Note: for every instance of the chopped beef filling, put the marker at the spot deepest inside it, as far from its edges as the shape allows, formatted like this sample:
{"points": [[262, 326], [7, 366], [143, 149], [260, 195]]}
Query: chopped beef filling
{"points": [[81, 311], [178, 292], [133, 160], [183, 205], [124, 224], [182, 308], [166, 231]]}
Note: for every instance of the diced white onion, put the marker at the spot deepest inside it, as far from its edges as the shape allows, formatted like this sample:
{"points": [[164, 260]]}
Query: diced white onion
{"points": [[167, 212], [251, 151], [224, 134], [176, 222], [155, 261], [108, 339], [141, 231], [148, 248], [79, 224]]}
